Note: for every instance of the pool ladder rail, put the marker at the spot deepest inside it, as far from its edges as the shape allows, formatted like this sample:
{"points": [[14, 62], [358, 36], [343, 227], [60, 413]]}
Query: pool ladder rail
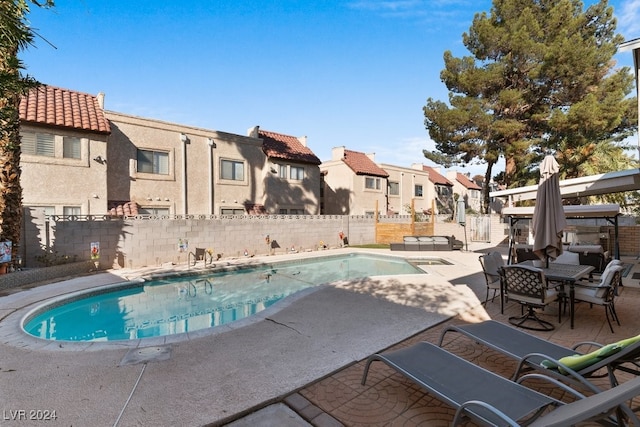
{"points": [[199, 255], [192, 289]]}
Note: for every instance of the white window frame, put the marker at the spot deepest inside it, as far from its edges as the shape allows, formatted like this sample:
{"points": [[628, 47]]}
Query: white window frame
{"points": [[296, 173], [71, 147], [415, 190], [371, 183], [159, 162], [234, 170], [393, 184]]}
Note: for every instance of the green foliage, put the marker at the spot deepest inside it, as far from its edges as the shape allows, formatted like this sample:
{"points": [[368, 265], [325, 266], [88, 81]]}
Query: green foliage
{"points": [[540, 79], [16, 33]]}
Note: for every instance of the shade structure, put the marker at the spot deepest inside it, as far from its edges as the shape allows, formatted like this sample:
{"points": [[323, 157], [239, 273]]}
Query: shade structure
{"points": [[548, 215]]}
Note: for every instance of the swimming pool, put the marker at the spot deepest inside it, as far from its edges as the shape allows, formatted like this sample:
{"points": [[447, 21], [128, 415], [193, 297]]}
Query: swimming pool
{"points": [[183, 303]]}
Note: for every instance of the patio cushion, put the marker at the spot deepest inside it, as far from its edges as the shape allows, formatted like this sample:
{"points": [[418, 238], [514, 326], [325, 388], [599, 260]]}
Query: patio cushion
{"points": [[581, 361]]}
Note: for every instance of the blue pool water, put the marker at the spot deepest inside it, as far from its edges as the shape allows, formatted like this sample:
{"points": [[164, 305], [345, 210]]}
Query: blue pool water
{"points": [[185, 303]]}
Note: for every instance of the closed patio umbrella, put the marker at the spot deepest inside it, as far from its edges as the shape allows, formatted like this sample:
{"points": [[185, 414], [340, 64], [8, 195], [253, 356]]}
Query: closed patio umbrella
{"points": [[548, 214]]}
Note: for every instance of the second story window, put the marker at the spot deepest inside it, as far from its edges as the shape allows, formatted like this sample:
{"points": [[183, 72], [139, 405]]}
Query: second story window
{"points": [[282, 171], [153, 162], [394, 188], [38, 144], [71, 147], [372, 183], [232, 170], [418, 190], [296, 172], [70, 210]]}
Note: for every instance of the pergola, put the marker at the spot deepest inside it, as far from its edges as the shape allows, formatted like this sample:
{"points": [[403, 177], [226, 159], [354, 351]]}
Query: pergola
{"points": [[610, 212]]}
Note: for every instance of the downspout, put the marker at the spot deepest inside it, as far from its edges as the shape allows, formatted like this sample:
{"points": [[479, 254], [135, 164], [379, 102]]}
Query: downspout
{"points": [[211, 186], [185, 141], [401, 193]]}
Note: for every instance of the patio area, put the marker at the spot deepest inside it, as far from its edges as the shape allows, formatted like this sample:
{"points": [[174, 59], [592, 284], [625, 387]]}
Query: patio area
{"points": [[389, 399], [298, 366]]}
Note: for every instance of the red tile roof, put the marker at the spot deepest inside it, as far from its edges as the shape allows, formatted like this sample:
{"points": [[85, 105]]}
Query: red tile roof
{"points": [[435, 177], [468, 184], [361, 164], [53, 106], [286, 147]]}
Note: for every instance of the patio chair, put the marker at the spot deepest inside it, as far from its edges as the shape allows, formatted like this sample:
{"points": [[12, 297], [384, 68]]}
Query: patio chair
{"points": [[530, 352], [489, 399], [528, 286], [491, 264], [602, 293]]}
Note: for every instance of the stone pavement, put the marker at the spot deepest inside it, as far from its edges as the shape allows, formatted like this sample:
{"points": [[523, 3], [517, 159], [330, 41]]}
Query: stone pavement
{"points": [[297, 363]]}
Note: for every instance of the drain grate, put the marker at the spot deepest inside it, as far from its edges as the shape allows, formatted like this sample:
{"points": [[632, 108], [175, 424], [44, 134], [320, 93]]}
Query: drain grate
{"points": [[146, 354]]}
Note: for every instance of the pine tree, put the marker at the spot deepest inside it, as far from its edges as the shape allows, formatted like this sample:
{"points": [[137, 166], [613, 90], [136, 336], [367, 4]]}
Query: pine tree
{"points": [[541, 79]]}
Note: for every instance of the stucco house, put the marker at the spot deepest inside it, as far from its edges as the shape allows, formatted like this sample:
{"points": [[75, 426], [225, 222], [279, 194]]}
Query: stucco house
{"points": [[292, 181], [79, 159], [64, 137], [443, 189], [470, 192], [353, 184], [405, 185]]}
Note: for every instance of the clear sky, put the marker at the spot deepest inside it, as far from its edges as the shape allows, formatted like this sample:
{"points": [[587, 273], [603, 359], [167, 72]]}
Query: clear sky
{"points": [[353, 73]]}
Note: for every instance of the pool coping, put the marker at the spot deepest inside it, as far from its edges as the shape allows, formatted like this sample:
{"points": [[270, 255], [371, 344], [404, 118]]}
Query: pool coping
{"points": [[22, 304]]}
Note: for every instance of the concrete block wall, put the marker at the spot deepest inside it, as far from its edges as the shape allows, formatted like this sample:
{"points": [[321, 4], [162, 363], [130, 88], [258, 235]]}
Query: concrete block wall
{"points": [[135, 243]]}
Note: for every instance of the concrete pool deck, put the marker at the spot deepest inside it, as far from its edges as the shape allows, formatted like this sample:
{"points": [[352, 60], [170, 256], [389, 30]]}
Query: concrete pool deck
{"points": [[213, 377]]}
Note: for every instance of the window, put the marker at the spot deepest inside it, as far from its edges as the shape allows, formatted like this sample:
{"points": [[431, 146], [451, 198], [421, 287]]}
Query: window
{"points": [[71, 210], [48, 210], [418, 190], [282, 171], [372, 183], [292, 211], [394, 188], [71, 147], [296, 172], [231, 211], [38, 144], [153, 162], [154, 211], [233, 170]]}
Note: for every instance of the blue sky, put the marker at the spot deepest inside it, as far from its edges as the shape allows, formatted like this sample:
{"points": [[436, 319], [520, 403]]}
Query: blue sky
{"points": [[355, 73]]}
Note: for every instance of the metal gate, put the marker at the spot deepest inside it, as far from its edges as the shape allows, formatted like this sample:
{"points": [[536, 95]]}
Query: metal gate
{"points": [[479, 228]]}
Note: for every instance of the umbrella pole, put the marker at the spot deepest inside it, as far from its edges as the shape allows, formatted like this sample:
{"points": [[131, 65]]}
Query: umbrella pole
{"points": [[466, 245]]}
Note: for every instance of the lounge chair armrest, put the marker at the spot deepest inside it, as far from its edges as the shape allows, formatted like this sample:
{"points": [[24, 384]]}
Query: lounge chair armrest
{"points": [[486, 411], [561, 367], [553, 381], [587, 343]]}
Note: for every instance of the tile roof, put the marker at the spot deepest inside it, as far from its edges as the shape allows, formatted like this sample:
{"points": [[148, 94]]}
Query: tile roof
{"points": [[468, 184], [435, 177], [286, 147], [361, 164], [53, 106]]}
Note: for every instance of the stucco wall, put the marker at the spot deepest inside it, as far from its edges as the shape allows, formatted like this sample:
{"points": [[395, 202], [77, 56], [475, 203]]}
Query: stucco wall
{"points": [[149, 242]]}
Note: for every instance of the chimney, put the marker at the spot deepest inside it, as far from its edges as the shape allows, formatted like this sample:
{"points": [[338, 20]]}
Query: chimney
{"points": [[337, 153], [303, 140], [253, 132], [100, 98], [371, 156]]}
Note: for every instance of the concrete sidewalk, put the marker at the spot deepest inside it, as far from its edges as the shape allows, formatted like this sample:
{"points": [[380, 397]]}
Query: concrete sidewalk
{"points": [[211, 377]]}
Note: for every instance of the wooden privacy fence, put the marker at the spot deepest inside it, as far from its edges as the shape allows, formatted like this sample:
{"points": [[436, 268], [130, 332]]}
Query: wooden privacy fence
{"points": [[393, 232]]}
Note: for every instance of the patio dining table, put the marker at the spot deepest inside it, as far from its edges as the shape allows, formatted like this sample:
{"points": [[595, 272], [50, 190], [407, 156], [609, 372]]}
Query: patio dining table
{"points": [[566, 275]]}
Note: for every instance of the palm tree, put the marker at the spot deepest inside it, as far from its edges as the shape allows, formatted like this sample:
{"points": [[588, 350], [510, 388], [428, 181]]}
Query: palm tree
{"points": [[15, 35]]}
